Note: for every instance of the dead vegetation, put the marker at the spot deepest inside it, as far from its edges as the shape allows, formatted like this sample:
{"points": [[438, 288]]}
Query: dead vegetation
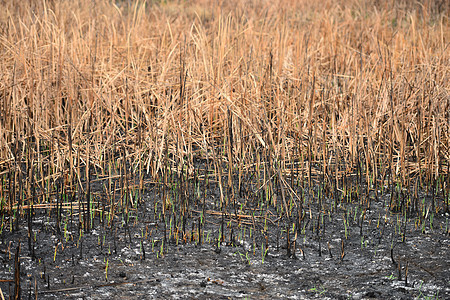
{"points": [[258, 97]]}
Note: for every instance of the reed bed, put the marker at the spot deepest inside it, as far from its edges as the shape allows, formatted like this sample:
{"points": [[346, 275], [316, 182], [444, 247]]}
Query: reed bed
{"points": [[279, 106]]}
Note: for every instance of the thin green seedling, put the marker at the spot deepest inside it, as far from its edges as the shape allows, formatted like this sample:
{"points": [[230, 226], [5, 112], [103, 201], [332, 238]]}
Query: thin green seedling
{"points": [[304, 228], [421, 296], [345, 228], [106, 269], [66, 237], [242, 256], [263, 252], [56, 250], [321, 290], [161, 251], [391, 277]]}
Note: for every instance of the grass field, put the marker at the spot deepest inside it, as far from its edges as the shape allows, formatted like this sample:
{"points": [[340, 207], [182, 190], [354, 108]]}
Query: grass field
{"points": [[282, 106]]}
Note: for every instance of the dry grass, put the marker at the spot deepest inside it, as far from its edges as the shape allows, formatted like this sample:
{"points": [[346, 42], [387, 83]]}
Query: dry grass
{"points": [[320, 88]]}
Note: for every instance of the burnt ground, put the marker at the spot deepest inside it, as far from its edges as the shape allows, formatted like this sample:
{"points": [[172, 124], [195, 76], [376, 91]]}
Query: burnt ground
{"points": [[378, 255]]}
